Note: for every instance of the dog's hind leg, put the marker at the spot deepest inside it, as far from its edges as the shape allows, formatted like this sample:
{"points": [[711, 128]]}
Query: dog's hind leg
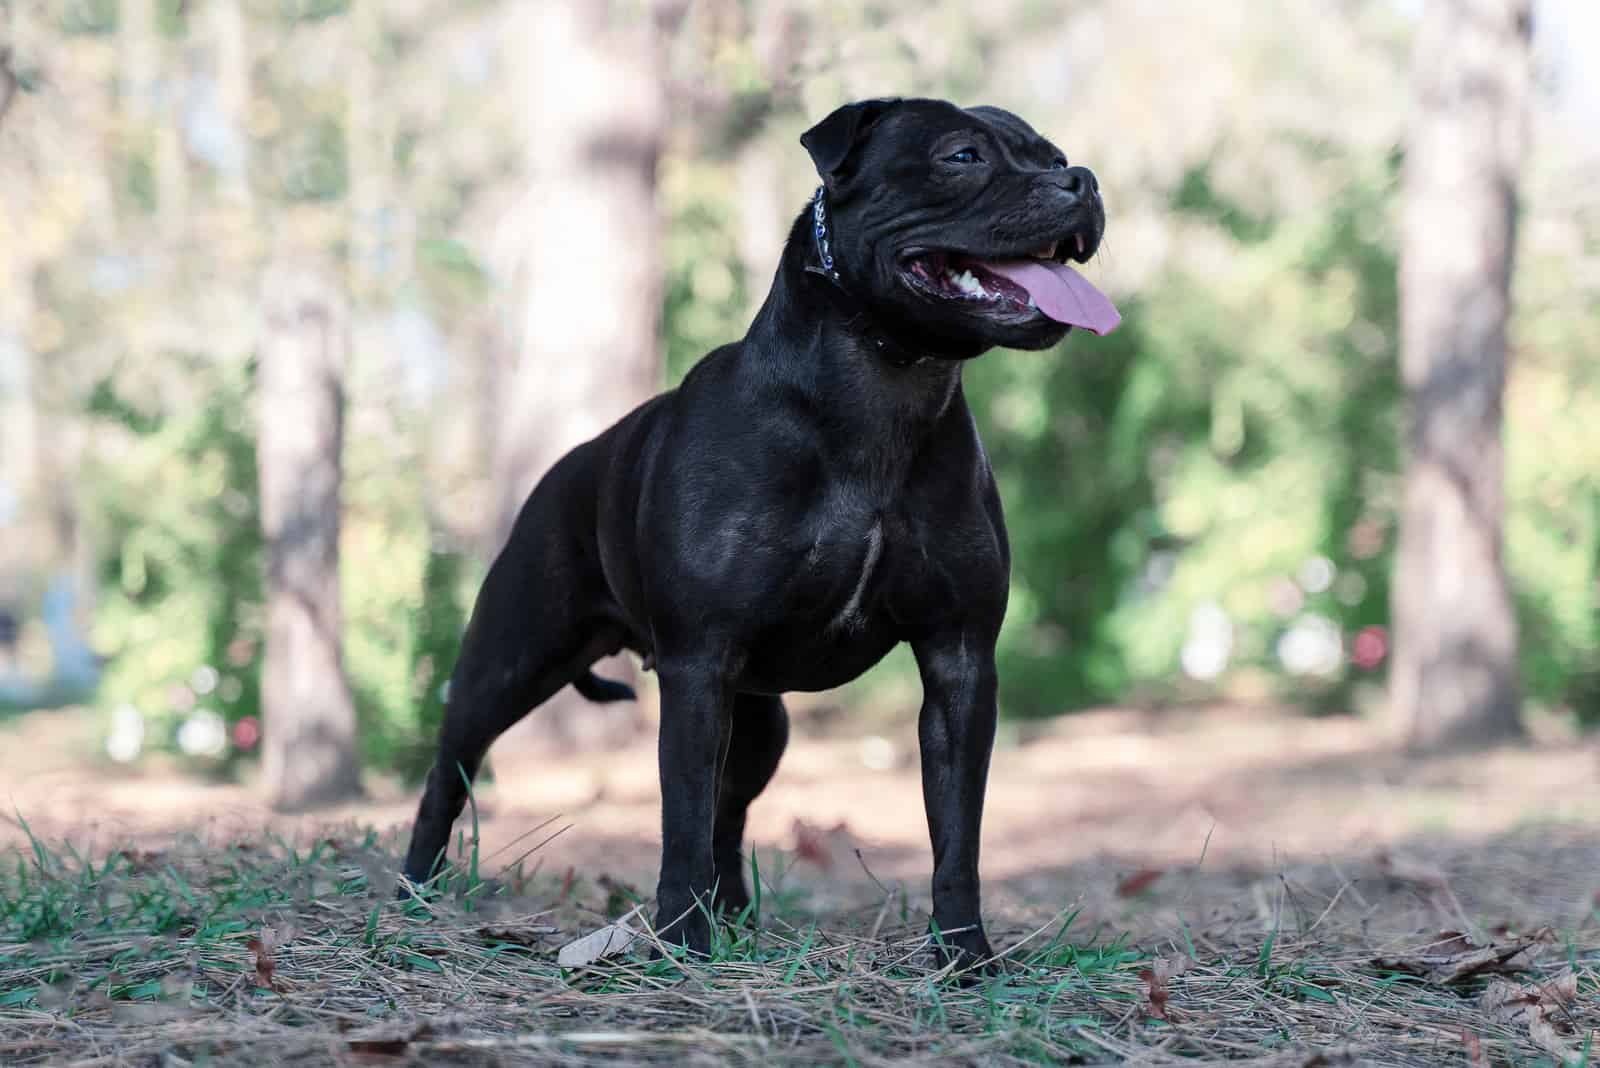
{"points": [[760, 733], [485, 701], [527, 639]]}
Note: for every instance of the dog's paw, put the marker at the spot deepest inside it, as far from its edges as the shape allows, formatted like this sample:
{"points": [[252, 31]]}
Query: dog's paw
{"points": [[687, 927], [732, 907], [417, 886], [968, 955]]}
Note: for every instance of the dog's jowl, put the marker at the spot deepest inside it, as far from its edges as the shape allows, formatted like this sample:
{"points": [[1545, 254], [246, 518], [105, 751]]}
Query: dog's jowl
{"points": [[809, 497]]}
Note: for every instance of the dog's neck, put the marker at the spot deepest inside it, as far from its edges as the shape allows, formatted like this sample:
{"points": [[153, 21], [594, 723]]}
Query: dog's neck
{"points": [[881, 342], [814, 334], [813, 286]]}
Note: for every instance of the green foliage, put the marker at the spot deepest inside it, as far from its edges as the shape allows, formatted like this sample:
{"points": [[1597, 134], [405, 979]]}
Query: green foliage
{"points": [[451, 279], [172, 17], [1265, 432], [1065, 433], [312, 161], [435, 641], [1236, 428], [404, 614], [1246, 421], [1553, 530], [89, 18], [233, 623], [295, 11], [704, 300], [311, 10], [139, 179], [180, 602]]}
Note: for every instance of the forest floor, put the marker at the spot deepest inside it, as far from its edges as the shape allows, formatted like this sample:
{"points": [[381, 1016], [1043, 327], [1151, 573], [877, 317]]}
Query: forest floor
{"points": [[1237, 883]]}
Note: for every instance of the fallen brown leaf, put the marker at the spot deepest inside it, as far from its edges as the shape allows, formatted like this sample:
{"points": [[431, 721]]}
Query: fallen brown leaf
{"points": [[1562, 990], [518, 934], [378, 1048], [1510, 1002], [1455, 957], [1139, 881], [1540, 1007], [264, 963], [1547, 1038], [143, 861], [263, 948], [824, 848], [1474, 1047], [1155, 979], [808, 845]]}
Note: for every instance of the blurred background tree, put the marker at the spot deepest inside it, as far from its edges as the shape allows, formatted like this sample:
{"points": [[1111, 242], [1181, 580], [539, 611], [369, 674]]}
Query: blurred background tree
{"points": [[1204, 506], [587, 353], [1455, 668], [308, 720]]}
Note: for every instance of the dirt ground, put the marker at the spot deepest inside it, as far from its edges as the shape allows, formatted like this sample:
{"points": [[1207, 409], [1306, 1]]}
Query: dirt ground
{"points": [[1235, 795], [1239, 884]]}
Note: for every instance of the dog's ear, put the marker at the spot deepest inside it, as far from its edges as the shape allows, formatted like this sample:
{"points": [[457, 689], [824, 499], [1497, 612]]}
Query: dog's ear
{"points": [[831, 141]]}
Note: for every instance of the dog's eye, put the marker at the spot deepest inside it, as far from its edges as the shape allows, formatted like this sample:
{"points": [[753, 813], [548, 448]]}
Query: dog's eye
{"points": [[1060, 164], [966, 155]]}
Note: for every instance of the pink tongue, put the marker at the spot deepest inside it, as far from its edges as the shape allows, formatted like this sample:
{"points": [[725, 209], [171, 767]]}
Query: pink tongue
{"points": [[1061, 293]]}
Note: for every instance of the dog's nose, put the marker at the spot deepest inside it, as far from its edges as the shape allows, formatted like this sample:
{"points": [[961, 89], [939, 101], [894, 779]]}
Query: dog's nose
{"points": [[1076, 183]]}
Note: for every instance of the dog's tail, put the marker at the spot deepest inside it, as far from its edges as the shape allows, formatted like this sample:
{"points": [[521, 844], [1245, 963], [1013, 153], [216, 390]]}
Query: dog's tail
{"points": [[601, 691]]}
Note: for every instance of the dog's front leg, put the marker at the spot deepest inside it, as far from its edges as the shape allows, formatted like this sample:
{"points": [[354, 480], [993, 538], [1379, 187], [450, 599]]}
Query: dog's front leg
{"points": [[696, 709], [956, 731]]}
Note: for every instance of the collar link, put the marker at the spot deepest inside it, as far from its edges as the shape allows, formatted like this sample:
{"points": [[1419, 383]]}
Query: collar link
{"points": [[819, 229], [887, 349]]}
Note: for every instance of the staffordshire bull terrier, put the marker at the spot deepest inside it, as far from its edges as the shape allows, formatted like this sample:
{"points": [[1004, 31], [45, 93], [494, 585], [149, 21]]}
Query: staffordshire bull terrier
{"points": [[810, 497]]}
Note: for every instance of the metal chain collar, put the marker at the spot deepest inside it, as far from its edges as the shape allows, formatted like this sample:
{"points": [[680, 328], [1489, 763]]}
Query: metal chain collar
{"points": [[819, 227]]}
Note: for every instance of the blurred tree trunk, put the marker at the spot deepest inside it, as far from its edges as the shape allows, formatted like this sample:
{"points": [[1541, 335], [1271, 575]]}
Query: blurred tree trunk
{"points": [[590, 350], [309, 728], [1454, 675], [765, 208], [762, 212]]}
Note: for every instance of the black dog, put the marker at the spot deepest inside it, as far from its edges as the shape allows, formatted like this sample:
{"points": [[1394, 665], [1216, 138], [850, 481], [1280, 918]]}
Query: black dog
{"points": [[808, 498]]}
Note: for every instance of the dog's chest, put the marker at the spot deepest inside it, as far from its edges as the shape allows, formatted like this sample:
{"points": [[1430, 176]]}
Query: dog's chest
{"points": [[870, 571], [849, 615], [862, 580]]}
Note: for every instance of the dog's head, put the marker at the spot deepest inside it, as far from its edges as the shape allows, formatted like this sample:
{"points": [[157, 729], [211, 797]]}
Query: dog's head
{"points": [[958, 223]]}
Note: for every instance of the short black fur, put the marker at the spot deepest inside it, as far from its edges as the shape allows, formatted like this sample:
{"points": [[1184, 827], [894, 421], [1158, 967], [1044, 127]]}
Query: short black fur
{"points": [[791, 512]]}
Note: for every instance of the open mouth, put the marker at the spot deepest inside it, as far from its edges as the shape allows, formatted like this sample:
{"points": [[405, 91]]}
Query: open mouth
{"points": [[1011, 287]]}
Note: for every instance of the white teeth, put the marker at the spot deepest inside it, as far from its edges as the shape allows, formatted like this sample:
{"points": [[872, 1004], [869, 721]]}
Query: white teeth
{"points": [[1080, 244], [966, 283]]}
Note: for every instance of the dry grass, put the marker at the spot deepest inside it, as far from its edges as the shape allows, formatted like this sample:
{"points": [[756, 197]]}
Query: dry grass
{"points": [[1232, 886], [264, 952]]}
